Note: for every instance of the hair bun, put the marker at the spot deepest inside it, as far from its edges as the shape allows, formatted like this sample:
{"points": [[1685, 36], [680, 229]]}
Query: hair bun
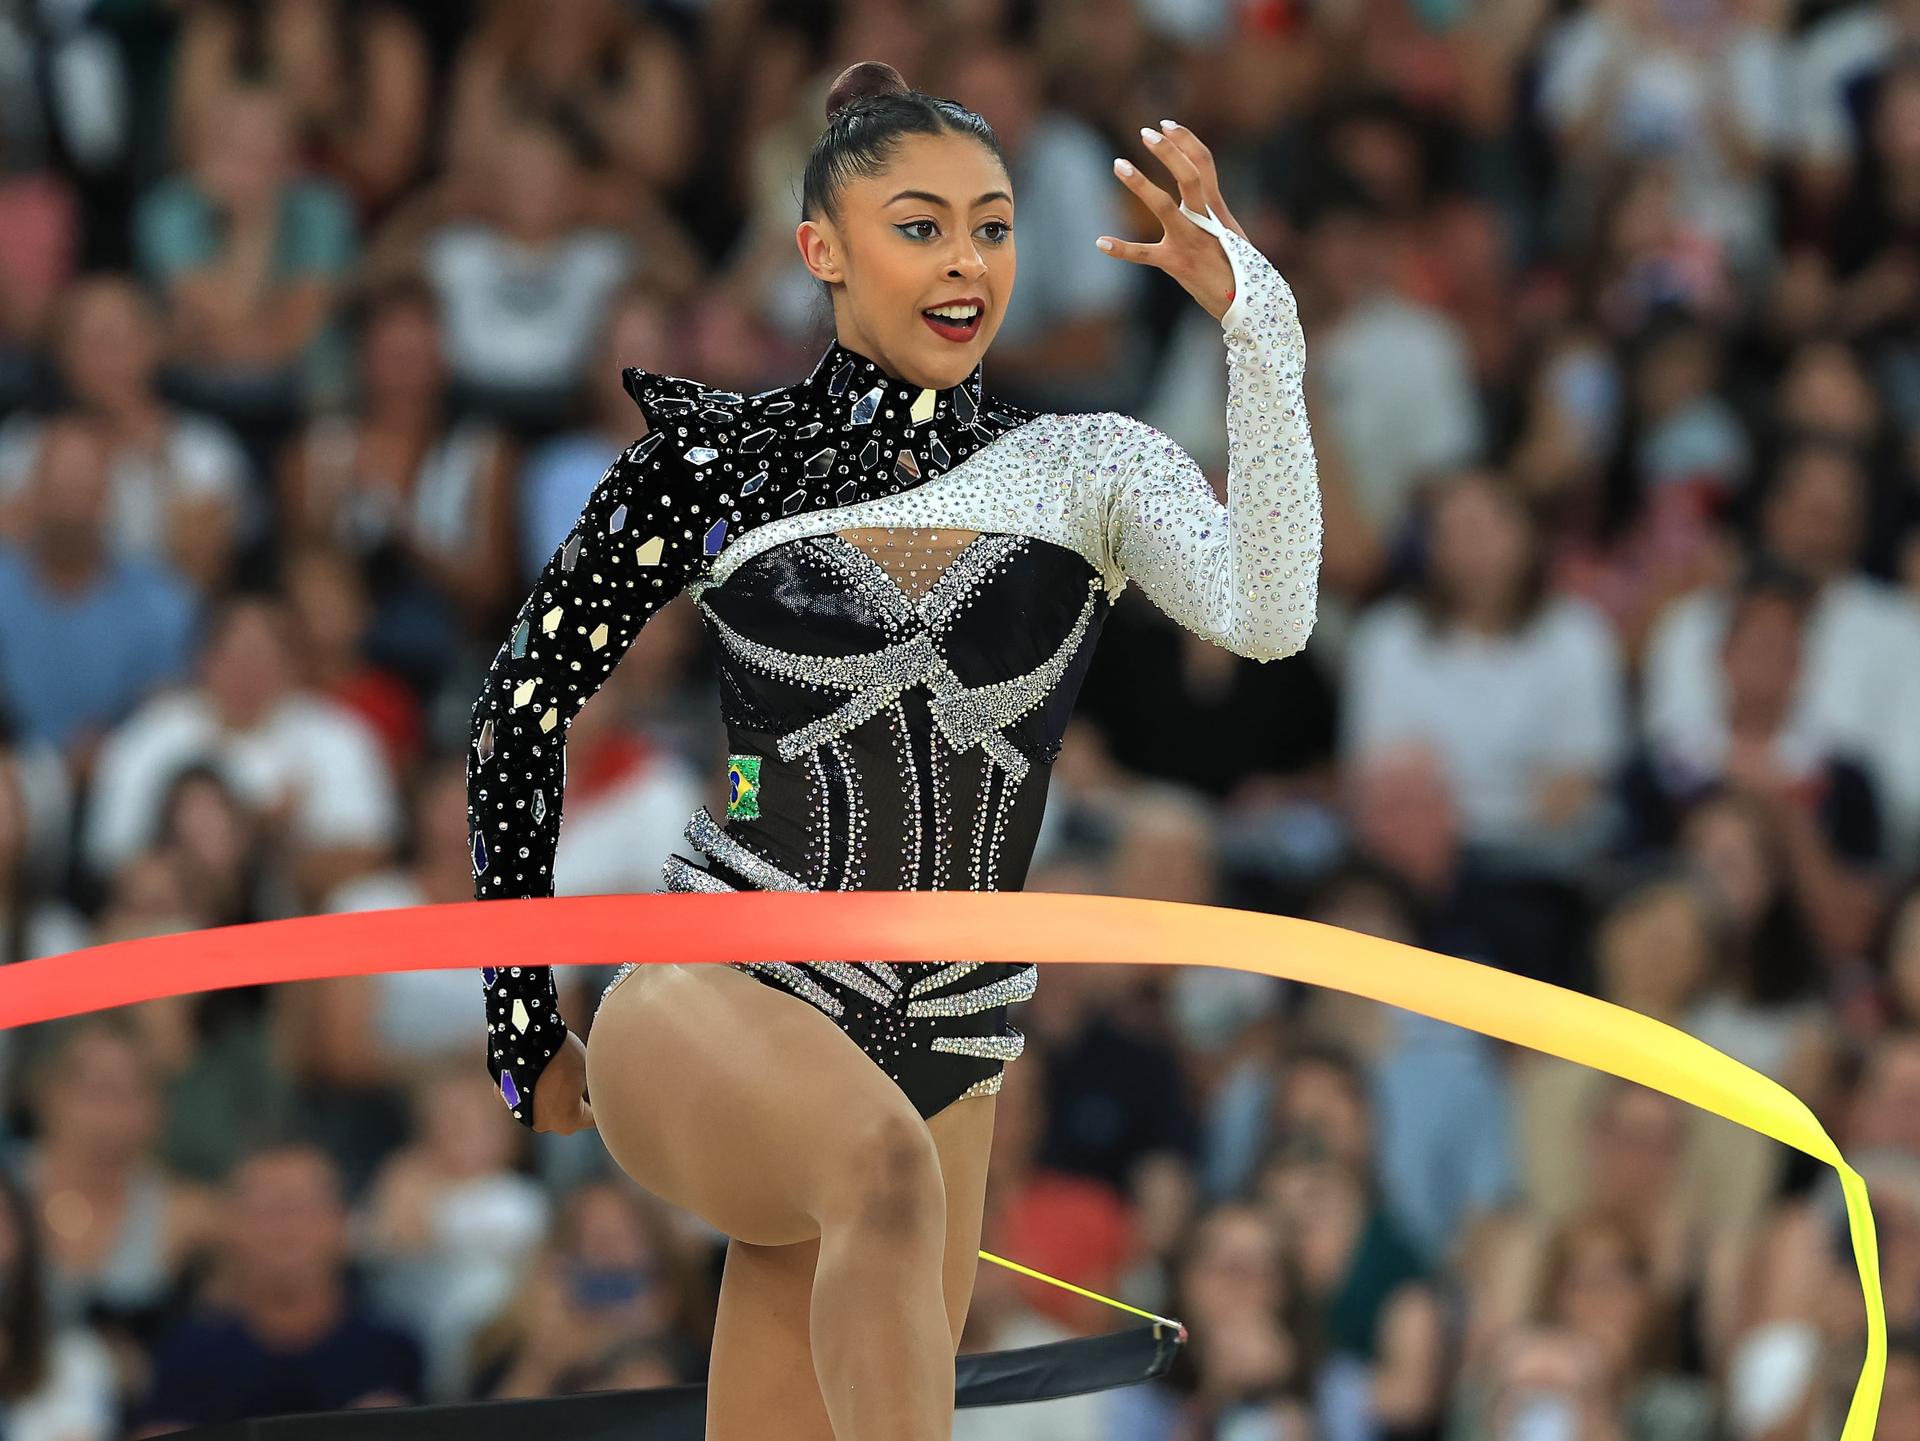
{"points": [[857, 82]]}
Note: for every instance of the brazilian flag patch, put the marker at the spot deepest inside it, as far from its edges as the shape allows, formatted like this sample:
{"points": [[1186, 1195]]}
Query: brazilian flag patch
{"points": [[743, 787]]}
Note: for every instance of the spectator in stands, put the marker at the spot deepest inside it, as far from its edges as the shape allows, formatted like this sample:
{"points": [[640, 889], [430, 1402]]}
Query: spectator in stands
{"points": [[57, 1382], [312, 768], [281, 1330], [88, 635], [181, 486]]}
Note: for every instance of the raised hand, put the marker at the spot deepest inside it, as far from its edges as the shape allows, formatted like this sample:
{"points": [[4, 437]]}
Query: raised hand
{"points": [[1185, 251]]}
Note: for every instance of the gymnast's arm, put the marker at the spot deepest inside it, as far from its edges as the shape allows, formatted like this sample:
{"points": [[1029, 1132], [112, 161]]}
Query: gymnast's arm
{"points": [[632, 550], [1245, 574]]}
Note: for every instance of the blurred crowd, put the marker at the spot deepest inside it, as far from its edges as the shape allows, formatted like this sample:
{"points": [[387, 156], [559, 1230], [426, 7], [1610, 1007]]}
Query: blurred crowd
{"points": [[311, 319]]}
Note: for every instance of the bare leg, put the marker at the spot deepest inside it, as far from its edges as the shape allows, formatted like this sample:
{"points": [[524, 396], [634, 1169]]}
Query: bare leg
{"points": [[753, 1110]]}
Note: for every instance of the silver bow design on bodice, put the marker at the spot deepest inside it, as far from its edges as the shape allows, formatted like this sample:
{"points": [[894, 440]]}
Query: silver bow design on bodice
{"points": [[966, 715]]}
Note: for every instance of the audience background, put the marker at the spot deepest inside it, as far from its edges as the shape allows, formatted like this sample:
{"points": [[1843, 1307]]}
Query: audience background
{"points": [[311, 315]]}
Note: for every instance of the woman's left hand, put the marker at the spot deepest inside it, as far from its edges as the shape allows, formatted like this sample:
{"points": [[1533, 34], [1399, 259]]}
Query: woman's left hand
{"points": [[1186, 252]]}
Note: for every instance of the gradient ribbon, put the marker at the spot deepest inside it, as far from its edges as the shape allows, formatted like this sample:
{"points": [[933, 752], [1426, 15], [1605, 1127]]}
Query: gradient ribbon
{"points": [[940, 926]]}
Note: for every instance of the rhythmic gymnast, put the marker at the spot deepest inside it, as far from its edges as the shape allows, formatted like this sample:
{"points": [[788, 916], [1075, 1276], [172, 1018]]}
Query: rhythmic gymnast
{"points": [[905, 577]]}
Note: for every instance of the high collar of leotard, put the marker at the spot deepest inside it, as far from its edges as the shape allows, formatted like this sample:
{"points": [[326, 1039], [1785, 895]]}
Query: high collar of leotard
{"points": [[846, 378]]}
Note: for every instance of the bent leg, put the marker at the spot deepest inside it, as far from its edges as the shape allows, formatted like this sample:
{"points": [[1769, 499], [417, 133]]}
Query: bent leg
{"points": [[751, 1109]]}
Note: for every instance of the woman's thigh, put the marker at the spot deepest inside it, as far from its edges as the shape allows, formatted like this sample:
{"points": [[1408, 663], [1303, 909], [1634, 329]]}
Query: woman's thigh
{"points": [[963, 1134], [733, 1100]]}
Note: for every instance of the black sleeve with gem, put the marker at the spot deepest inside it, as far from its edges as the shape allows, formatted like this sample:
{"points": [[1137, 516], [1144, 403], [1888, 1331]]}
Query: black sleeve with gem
{"points": [[635, 546]]}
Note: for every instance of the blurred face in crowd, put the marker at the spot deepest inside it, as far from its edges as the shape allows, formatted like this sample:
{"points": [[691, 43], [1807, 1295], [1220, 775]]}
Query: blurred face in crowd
{"points": [[247, 667], [246, 150], [1826, 390], [287, 1222], [13, 819], [1635, 1146], [1368, 910], [1761, 656], [1654, 951], [440, 819], [100, 1103], [610, 1261], [67, 509], [1480, 547], [456, 1124], [638, 330], [207, 822], [1235, 1266], [1886, 1104], [890, 253], [1003, 84], [109, 345], [1347, 254], [1902, 958], [329, 601], [1402, 814], [1724, 837], [1546, 1382], [401, 364], [1602, 1291], [1816, 517], [1317, 1099], [1164, 853], [1896, 118], [536, 182]]}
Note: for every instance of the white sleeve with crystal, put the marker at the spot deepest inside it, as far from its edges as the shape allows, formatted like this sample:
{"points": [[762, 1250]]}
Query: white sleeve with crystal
{"points": [[1245, 575]]}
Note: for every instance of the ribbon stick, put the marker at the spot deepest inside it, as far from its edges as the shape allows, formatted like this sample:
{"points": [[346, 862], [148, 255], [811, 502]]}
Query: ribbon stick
{"points": [[941, 926]]}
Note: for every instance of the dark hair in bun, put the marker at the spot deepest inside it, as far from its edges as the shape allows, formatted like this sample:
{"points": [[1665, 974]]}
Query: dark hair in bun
{"points": [[869, 109]]}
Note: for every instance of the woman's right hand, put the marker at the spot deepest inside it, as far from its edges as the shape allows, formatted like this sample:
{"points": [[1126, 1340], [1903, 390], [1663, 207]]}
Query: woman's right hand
{"points": [[560, 1092]]}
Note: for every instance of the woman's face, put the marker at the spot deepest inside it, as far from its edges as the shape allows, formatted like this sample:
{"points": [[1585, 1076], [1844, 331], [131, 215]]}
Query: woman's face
{"points": [[210, 826], [1481, 546], [401, 355], [1654, 952], [1235, 1266], [935, 228], [1602, 1295], [101, 1101], [1726, 843]]}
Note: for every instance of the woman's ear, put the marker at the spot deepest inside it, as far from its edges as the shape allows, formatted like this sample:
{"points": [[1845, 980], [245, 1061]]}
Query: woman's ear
{"points": [[819, 250]]}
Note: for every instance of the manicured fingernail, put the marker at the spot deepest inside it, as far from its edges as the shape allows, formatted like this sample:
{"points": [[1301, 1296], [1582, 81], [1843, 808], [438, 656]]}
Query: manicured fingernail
{"points": [[1123, 167], [1104, 243], [1152, 137], [1169, 125]]}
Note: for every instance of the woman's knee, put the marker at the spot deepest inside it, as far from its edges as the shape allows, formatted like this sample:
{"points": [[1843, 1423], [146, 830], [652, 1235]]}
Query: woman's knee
{"points": [[887, 1180]]}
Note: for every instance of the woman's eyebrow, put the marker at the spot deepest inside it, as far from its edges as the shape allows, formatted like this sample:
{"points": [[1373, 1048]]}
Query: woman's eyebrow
{"points": [[941, 200]]}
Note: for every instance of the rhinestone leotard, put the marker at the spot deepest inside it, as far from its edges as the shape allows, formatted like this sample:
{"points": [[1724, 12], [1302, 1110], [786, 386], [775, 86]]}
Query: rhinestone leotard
{"points": [[906, 586]]}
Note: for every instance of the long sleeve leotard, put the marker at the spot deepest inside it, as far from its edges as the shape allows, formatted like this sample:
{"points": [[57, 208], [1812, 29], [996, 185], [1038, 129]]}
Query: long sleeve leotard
{"points": [[906, 586]]}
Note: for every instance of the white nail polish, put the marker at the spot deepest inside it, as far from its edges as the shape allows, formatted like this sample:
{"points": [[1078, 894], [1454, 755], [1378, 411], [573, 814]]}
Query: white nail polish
{"points": [[1124, 167], [1152, 137], [1168, 125]]}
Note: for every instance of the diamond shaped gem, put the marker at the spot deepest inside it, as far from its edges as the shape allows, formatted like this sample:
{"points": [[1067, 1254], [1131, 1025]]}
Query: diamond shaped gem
{"points": [[715, 537], [845, 494], [570, 556], [922, 406], [479, 855], [550, 622], [838, 385], [938, 454], [643, 447], [649, 554], [870, 455], [598, 639], [793, 502], [509, 1090], [523, 692], [758, 440], [519, 1016], [867, 406], [485, 744], [701, 454], [617, 522], [550, 719], [819, 463], [754, 482], [963, 406], [539, 808], [906, 467], [522, 633]]}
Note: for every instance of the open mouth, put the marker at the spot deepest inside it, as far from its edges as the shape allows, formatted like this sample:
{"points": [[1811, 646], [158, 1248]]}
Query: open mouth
{"points": [[954, 322]]}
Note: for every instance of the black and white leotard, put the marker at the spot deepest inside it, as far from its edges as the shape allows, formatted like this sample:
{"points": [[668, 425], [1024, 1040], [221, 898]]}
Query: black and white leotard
{"points": [[906, 586]]}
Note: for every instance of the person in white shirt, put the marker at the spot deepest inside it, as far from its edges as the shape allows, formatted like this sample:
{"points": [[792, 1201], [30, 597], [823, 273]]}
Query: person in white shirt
{"points": [[1859, 692], [1518, 692], [313, 768], [179, 481]]}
